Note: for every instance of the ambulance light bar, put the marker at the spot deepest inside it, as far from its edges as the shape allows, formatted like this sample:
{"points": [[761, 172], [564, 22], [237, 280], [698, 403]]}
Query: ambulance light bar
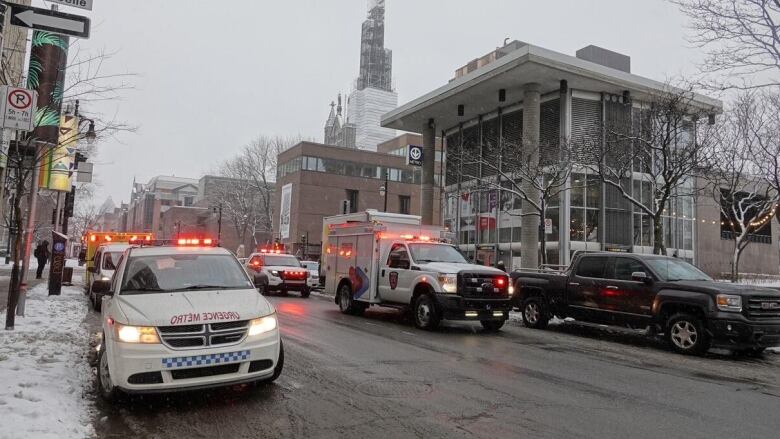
{"points": [[270, 251]]}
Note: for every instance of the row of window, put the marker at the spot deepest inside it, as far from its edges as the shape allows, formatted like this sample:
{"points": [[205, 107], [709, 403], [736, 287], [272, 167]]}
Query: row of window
{"points": [[404, 202], [348, 168]]}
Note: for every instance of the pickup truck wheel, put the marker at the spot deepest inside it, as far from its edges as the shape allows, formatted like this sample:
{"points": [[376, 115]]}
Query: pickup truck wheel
{"points": [[686, 334], [305, 293], [534, 314], [426, 316], [492, 325], [104, 385], [96, 301]]}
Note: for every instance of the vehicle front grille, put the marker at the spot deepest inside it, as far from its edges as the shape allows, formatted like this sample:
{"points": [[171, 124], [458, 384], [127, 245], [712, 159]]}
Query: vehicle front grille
{"points": [[480, 285], [199, 372], [196, 336], [763, 308]]}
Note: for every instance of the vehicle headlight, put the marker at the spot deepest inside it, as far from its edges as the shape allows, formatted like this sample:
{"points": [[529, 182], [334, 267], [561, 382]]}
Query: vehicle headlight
{"points": [[262, 325], [105, 278], [511, 290], [137, 334], [274, 273], [729, 302], [449, 283]]}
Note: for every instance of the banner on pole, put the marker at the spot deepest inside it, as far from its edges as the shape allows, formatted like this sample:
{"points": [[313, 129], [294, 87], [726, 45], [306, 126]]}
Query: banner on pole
{"points": [[62, 156]]}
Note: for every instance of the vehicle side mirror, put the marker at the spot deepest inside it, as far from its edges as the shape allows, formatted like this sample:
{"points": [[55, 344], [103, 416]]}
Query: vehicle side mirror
{"points": [[641, 276]]}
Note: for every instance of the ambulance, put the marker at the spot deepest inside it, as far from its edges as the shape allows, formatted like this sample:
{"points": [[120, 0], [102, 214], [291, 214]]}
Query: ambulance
{"points": [[387, 259], [182, 316], [94, 239]]}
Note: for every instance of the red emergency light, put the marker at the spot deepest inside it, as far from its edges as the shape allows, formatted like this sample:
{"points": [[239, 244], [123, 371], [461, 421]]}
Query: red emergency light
{"points": [[265, 250], [295, 274], [194, 241], [500, 282]]}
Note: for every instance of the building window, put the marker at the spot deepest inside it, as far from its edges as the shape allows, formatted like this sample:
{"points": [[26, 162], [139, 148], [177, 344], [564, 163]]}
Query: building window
{"points": [[405, 204], [352, 197], [188, 201]]}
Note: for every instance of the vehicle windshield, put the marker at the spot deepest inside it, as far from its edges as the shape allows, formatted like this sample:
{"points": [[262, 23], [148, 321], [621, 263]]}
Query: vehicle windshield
{"points": [[182, 272], [671, 269], [423, 253], [281, 261], [312, 266], [110, 260]]}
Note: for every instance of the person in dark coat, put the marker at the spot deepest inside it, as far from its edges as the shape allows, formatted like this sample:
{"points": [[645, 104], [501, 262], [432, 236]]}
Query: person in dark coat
{"points": [[42, 254], [501, 265]]}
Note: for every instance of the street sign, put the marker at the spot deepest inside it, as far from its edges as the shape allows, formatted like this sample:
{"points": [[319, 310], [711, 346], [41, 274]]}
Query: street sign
{"points": [[414, 155], [50, 21], [548, 226], [18, 108], [84, 173], [81, 4]]}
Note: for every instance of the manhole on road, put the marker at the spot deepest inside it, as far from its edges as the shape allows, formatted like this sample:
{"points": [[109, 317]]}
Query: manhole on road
{"points": [[390, 388]]}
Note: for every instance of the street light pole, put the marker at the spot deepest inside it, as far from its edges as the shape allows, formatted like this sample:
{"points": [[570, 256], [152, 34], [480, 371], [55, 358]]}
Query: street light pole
{"points": [[219, 226], [383, 191]]}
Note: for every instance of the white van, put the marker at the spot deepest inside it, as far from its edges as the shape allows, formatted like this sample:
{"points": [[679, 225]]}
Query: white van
{"points": [[185, 317]]}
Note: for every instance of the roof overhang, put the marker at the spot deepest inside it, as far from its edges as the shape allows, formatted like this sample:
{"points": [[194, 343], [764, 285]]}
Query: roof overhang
{"points": [[478, 90]]}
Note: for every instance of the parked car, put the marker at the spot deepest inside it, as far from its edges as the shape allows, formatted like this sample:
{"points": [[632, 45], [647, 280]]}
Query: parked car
{"points": [[668, 295], [314, 273]]}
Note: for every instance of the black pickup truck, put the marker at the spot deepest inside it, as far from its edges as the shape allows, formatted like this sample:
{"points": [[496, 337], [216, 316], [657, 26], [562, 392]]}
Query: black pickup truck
{"points": [[666, 295]]}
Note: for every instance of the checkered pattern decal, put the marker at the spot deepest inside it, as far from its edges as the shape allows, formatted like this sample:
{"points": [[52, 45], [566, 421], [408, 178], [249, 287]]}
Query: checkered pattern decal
{"points": [[205, 360]]}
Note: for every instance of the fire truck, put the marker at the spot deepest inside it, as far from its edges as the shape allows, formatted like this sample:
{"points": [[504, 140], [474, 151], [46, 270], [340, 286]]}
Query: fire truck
{"points": [[392, 260], [93, 239]]}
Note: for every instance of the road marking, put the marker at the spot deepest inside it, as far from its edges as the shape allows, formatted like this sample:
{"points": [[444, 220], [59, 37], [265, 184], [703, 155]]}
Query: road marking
{"points": [[407, 333]]}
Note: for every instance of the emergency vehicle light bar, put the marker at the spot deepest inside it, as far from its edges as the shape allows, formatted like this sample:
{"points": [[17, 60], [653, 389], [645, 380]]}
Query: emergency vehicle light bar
{"points": [[181, 242], [270, 251]]}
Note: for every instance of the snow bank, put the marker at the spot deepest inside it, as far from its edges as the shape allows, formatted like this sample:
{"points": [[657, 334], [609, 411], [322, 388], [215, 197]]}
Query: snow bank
{"points": [[43, 373]]}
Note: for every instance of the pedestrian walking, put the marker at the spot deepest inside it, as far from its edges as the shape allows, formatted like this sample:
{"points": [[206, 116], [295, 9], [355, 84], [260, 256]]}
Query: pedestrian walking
{"points": [[42, 254], [501, 265]]}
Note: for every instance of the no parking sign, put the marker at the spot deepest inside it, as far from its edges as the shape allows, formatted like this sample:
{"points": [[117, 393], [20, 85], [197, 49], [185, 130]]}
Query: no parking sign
{"points": [[18, 108]]}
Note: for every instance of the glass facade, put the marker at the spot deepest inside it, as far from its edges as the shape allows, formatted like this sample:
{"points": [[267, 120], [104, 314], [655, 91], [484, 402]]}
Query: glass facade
{"points": [[488, 222], [348, 168]]}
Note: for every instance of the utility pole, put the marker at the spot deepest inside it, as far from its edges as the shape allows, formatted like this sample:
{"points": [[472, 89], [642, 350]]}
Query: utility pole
{"points": [[219, 225]]}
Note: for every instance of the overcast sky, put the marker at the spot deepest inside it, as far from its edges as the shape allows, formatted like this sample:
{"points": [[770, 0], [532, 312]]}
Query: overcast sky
{"points": [[214, 74]]}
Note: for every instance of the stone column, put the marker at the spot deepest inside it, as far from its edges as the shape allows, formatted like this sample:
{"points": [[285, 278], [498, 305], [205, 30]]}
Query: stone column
{"points": [[429, 159], [529, 235]]}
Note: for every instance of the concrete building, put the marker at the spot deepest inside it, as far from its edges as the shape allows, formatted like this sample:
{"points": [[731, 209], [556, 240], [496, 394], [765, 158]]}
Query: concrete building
{"points": [[373, 93], [319, 178], [14, 50], [524, 93], [149, 201]]}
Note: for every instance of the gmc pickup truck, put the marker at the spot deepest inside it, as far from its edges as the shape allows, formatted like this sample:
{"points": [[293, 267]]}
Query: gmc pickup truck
{"points": [[665, 295]]}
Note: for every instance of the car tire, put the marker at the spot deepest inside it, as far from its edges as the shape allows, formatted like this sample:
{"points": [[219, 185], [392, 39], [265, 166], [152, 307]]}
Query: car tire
{"points": [[492, 325], [97, 302], [105, 387], [426, 313], [346, 303], [305, 293], [686, 334], [534, 313]]}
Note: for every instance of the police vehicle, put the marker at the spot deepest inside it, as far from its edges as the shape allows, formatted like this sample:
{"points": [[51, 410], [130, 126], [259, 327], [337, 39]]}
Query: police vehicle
{"points": [[277, 272]]}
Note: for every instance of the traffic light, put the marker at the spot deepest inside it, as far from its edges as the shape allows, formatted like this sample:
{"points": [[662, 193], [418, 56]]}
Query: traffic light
{"points": [[80, 158], [70, 200]]}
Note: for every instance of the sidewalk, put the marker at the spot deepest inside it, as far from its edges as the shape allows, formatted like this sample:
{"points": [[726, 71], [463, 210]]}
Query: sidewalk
{"points": [[43, 371]]}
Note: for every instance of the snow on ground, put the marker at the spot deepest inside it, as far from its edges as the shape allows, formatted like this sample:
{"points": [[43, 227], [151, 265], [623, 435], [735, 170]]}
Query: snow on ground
{"points": [[34, 263], [43, 372]]}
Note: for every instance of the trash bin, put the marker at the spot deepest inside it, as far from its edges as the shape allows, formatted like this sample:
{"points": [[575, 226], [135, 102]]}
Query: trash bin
{"points": [[67, 276]]}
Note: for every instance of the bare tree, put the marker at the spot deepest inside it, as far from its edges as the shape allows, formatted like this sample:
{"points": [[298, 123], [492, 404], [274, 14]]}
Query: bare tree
{"points": [[741, 37], [747, 202], [256, 164], [241, 203], [26, 155], [666, 144], [507, 167]]}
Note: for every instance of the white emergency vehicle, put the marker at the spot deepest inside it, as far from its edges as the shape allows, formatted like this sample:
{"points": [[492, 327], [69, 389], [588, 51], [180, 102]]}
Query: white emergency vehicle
{"points": [[276, 272], [392, 260], [185, 317], [102, 270]]}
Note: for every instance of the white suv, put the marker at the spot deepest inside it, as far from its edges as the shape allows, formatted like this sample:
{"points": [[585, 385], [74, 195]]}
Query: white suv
{"points": [[183, 318]]}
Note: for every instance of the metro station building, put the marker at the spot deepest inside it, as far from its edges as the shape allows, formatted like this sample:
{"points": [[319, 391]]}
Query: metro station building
{"points": [[524, 88]]}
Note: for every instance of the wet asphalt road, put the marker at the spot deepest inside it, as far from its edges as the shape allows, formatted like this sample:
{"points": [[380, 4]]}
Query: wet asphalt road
{"points": [[378, 376]]}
